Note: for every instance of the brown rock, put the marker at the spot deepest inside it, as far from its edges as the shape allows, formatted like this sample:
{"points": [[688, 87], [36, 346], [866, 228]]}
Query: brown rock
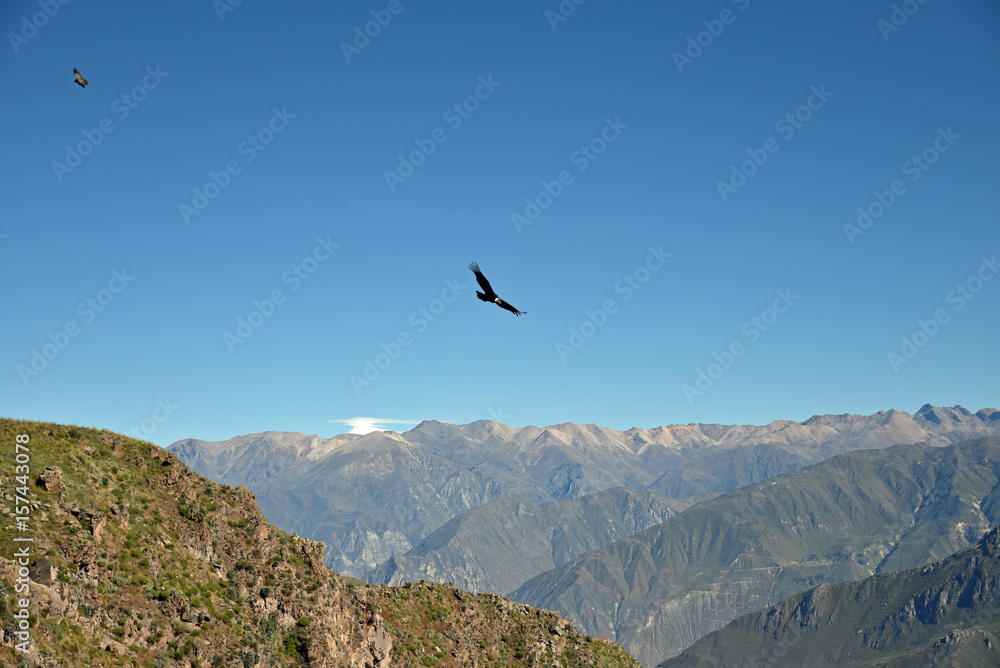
{"points": [[261, 533], [47, 599], [51, 479], [43, 572], [113, 646], [97, 523], [379, 642], [120, 513]]}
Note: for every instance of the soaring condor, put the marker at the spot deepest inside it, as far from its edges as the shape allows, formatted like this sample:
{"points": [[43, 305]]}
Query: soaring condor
{"points": [[80, 81], [488, 295]]}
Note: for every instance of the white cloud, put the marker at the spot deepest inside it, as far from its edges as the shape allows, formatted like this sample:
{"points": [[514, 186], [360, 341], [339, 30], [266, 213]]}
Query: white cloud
{"points": [[365, 425]]}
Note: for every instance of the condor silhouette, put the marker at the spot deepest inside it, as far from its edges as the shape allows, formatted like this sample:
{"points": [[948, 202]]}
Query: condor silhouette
{"points": [[80, 81], [489, 295]]}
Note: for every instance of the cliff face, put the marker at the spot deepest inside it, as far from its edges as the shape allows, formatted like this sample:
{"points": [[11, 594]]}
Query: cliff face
{"points": [[136, 560]]}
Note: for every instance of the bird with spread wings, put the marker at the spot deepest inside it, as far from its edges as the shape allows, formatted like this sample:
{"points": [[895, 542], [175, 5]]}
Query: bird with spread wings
{"points": [[488, 295], [80, 81]]}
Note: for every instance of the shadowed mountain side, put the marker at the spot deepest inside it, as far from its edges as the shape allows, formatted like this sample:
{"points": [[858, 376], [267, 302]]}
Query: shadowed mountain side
{"points": [[374, 496], [659, 591], [499, 546], [943, 614]]}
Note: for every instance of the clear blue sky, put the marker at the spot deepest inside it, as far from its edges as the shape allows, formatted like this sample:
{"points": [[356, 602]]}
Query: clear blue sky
{"points": [[267, 92]]}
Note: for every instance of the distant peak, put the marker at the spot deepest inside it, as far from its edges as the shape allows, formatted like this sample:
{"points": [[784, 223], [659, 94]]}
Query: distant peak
{"points": [[990, 542], [990, 414]]}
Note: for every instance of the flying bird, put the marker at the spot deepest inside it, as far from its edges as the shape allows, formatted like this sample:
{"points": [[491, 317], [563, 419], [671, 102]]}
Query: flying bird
{"points": [[79, 78], [489, 295]]}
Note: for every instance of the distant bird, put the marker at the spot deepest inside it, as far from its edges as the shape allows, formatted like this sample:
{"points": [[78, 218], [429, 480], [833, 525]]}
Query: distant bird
{"points": [[79, 78], [490, 296]]}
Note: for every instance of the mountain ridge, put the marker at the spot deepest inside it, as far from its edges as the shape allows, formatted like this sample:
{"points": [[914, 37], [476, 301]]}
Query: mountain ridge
{"points": [[440, 471], [497, 546], [844, 519]]}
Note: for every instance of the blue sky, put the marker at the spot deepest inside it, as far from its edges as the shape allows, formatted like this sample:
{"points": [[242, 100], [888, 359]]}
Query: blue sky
{"points": [[691, 204]]}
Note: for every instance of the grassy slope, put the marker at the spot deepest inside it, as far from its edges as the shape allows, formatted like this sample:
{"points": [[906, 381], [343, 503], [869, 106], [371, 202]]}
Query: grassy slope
{"points": [[157, 566]]}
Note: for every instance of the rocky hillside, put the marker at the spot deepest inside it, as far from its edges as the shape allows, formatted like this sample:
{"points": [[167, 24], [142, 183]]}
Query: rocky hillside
{"points": [[371, 497], [135, 560], [943, 614], [854, 515], [499, 546]]}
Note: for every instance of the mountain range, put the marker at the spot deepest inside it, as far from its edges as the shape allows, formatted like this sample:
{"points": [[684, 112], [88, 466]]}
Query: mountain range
{"points": [[845, 519], [370, 498], [626, 532]]}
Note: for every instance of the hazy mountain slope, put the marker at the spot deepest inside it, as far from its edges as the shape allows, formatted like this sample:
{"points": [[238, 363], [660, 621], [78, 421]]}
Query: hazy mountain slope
{"points": [[743, 455], [244, 460], [943, 614], [659, 591], [371, 498], [136, 561], [374, 496], [498, 546]]}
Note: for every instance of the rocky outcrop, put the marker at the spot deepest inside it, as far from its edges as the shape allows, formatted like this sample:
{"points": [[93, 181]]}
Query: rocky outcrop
{"points": [[51, 479]]}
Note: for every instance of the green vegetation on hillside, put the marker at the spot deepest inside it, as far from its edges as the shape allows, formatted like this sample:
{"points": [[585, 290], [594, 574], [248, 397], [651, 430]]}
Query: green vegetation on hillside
{"points": [[137, 561]]}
